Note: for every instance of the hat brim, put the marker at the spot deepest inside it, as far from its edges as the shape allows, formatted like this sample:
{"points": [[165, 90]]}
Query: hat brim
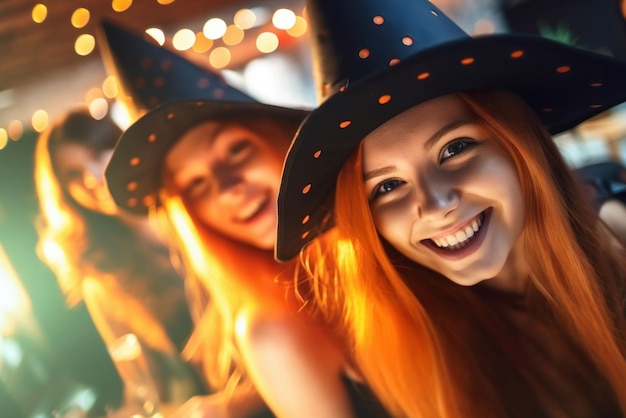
{"points": [[562, 84], [133, 174]]}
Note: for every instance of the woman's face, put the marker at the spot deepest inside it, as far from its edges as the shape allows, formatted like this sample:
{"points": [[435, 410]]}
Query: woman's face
{"points": [[81, 172], [229, 177], [443, 193]]}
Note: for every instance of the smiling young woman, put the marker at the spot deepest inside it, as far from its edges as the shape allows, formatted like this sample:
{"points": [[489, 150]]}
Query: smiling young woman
{"points": [[441, 228]]}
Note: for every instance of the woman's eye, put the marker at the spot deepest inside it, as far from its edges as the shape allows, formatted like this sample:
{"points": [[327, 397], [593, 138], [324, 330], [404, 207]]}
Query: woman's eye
{"points": [[195, 188], [239, 150], [386, 187], [456, 147]]}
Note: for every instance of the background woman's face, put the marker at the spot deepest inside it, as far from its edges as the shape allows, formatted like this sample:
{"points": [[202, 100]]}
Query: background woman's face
{"points": [[81, 173], [444, 193], [229, 177]]}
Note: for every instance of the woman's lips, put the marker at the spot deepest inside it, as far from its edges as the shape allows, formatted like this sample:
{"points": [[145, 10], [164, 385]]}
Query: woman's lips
{"points": [[248, 212], [462, 242]]}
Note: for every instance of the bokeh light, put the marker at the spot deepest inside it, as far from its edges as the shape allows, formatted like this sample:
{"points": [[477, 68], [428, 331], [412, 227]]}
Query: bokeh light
{"points": [[214, 28], [93, 94], [165, 1], [233, 36], [202, 44], [39, 121], [84, 44], [245, 19], [299, 28], [80, 18], [15, 130], [267, 42], [283, 19], [110, 87], [121, 5], [156, 34], [40, 12], [484, 27], [4, 138], [220, 57], [98, 108], [183, 39]]}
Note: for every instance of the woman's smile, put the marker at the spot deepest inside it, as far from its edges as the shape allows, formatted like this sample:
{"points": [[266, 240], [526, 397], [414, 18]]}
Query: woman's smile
{"points": [[465, 241]]}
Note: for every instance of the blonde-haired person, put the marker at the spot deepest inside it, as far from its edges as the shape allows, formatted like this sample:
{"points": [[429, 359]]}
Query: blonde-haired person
{"points": [[460, 257], [211, 170], [113, 261]]}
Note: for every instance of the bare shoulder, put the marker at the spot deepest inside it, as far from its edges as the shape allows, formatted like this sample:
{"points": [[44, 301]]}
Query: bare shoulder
{"points": [[293, 363], [278, 328]]}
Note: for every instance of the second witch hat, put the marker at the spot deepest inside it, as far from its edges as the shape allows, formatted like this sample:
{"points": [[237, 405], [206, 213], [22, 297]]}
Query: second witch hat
{"points": [[176, 94]]}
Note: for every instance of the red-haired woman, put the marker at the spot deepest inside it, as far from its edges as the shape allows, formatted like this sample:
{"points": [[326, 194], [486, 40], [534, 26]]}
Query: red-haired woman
{"points": [[461, 258]]}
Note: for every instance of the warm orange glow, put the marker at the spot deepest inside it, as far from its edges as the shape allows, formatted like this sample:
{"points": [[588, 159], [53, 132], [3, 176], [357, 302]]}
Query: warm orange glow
{"points": [[220, 57], [39, 120], [15, 130], [40, 12], [267, 42], [80, 18], [202, 44], [299, 28], [233, 36], [165, 1], [84, 44], [121, 5], [183, 225]]}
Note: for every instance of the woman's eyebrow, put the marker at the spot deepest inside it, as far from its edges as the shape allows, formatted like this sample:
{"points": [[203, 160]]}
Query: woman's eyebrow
{"points": [[427, 147], [444, 130], [378, 172]]}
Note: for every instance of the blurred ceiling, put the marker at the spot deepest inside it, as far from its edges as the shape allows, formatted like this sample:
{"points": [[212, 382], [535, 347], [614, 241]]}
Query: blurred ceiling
{"points": [[39, 68], [31, 51]]}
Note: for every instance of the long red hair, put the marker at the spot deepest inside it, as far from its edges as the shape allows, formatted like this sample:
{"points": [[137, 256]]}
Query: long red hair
{"points": [[406, 324], [222, 274]]}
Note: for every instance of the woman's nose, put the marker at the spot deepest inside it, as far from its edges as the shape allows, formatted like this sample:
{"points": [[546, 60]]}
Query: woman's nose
{"points": [[436, 198]]}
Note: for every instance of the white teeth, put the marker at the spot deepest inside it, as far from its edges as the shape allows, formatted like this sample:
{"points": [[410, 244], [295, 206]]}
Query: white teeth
{"points": [[251, 210], [459, 238], [452, 240]]}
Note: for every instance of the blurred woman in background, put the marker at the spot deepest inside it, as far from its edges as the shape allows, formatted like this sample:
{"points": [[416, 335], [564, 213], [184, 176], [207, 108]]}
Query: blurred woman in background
{"points": [[112, 260], [212, 169]]}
